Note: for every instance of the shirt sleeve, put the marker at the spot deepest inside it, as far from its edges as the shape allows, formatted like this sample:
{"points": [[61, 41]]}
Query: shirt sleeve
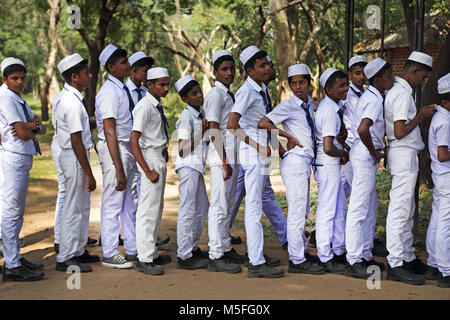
{"points": [[109, 104], [328, 122], [74, 118], [443, 134], [400, 108], [9, 110], [243, 101], [279, 114], [371, 110], [184, 127], [213, 106], [141, 116]]}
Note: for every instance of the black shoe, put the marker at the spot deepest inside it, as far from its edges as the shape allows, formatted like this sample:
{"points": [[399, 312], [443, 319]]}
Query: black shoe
{"points": [[357, 270], [161, 242], [62, 266], [56, 247], [379, 248], [162, 259], [444, 282], [416, 266], [305, 267], [312, 238], [311, 258], [236, 240], [234, 257], [271, 261], [200, 253], [192, 263], [404, 275], [22, 274], [223, 265], [30, 265], [332, 266], [341, 259], [131, 257], [284, 246], [149, 268], [264, 271], [86, 257], [91, 241], [376, 263], [433, 273]]}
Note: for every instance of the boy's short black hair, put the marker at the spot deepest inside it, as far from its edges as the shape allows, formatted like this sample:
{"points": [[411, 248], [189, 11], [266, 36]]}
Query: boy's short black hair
{"points": [[119, 53], [188, 87], [222, 59], [67, 75], [13, 68], [379, 73], [332, 79], [147, 61], [251, 62], [358, 64], [306, 76], [444, 96], [421, 66]]}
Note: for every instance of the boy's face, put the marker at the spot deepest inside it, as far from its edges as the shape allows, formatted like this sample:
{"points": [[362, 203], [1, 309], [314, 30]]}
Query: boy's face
{"points": [[338, 91], [121, 69], [160, 88], [300, 87], [84, 78], [16, 81], [272, 73], [226, 72], [260, 71], [139, 74], [194, 97], [387, 79], [418, 76], [357, 76]]}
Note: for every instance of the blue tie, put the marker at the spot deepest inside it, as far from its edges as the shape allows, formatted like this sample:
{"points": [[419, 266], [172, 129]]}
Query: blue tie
{"points": [[130, 100], [27, 117], [313, 133], [139, 94], [165, 126], [266, 102]]}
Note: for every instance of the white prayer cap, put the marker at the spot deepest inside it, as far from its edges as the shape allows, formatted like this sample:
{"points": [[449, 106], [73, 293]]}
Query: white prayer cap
{"points": [[9, 62], [269, 59], [298, 69], [220, 54], [106, 53], [135, 57], [373, 67], [157, 72], [356, 59], [444, 84], [324, 77], [421, 57], [248, 53], [181, 83], [69, 61]]}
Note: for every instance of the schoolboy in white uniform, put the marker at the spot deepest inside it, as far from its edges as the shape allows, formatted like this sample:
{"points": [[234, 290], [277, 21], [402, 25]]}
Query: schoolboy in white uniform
{"points": [[438, 234], [3, 88], [190, 166], [75, 140], [331, 203], [365, 155], [149, 141], [250, 107], [297, 117], [404, 144], [18, 132], [113, 107]]}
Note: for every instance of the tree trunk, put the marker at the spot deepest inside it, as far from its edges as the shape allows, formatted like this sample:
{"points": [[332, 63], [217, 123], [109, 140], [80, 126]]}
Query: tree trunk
{"points": [[410, 20]]}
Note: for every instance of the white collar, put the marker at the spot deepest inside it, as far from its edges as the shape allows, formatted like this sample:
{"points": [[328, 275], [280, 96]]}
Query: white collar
{"points": [[14, 95], [68, 87], [333, 104], [116, 81], [299, 102], [256, 86], [376, 92], [355, 88], [221, 86], [130, 84], [153, 100], [193, 111], [404, 84]]}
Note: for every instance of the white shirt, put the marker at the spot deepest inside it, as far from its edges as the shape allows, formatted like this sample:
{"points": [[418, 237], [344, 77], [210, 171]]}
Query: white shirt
{"points": [[370, 106], [11, 111], [112, 102], [148, 121], [54, 110], [71, 117], [3, 89], [439, 135], [218, 105], [350, 105], [328, 124], [134, 91], [188, 126], [292, 115], [250, 105], [399, 105]]}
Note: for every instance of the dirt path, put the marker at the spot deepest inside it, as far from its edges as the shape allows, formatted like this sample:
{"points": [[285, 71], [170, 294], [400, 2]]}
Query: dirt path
{"points": [[106, 283]]}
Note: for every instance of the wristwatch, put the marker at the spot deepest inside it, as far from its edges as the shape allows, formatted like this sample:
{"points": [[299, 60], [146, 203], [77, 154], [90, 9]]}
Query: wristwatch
{"points": [[38, 126]]}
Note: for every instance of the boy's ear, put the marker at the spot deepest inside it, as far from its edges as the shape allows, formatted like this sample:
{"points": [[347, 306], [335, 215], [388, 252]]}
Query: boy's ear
{"points": [[4, 80], [184, 99]]}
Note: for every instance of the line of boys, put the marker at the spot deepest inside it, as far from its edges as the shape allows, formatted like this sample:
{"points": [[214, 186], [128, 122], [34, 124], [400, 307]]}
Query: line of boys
{"points": [[319, 145]]}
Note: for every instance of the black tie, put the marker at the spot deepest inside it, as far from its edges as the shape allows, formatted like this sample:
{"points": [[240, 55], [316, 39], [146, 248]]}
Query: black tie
{"points": [[340, 113], [165, 126], [266, 103], [201, 115], [89, 121], [313, 132], [130, 100], [356, 92], [231, 95], [139, 94], [27, 117], [268, 99]]}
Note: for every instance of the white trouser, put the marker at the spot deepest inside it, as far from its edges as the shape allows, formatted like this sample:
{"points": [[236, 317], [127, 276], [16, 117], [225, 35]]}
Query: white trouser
{"points": [[330, 213], [1, 192], [117, 203], [16, 174], [347, 177], [75, 214], [438, 233], [404, 166], [295, 171], [56, 150], [193, 210], [222, 195], [151, 205], [136, 187], [362, 208]]}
